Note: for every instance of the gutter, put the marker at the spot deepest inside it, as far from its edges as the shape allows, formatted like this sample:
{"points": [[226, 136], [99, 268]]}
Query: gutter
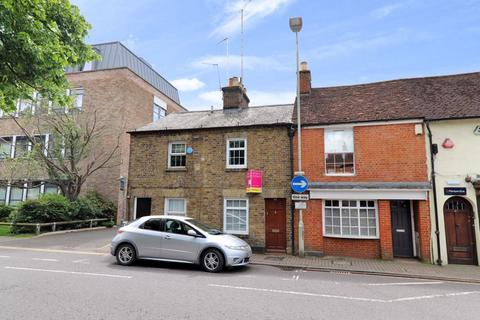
{"points": [[291, 133], [434, 189]]}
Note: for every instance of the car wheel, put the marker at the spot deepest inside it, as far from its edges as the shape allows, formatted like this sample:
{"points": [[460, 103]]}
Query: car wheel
{"points": [[212, 261], [126, 254]]}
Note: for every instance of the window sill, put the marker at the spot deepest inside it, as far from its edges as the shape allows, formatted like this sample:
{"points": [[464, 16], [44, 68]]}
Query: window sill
{"points": [[339, 174], [351, 237], [236, 169], [176, 169], [240, 233]]}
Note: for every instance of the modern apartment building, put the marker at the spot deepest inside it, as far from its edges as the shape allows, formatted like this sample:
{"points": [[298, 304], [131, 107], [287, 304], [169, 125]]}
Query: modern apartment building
{"points": [[124, 91]]}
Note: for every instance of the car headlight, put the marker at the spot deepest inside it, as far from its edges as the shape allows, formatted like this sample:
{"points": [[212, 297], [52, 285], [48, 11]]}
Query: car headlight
{"points": [[245, 247]]}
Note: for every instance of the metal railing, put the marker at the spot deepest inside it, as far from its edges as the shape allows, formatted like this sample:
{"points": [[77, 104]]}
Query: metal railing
{"points": [[54, 225]]}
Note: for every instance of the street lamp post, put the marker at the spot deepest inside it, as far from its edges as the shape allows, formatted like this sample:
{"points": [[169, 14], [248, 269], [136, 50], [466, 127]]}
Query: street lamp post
{"points": [[296, 26]]}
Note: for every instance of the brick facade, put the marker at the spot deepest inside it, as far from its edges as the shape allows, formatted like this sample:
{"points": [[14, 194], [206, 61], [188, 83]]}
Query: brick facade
{"points": [[206, 181], [122, 101], [383, 153]]}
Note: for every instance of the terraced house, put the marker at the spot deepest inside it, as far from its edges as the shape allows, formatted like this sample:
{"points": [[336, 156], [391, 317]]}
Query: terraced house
{"points": [[394, 168], [124, 91], [229, 168]]}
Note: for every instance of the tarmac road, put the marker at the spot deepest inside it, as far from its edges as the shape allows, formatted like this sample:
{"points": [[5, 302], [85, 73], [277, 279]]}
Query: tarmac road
{"points": [[71, 276]]}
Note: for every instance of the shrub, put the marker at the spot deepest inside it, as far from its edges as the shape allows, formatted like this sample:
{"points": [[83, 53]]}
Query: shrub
{"points": [[5, 212], [48, 208], [102, 207], [108, 224]]}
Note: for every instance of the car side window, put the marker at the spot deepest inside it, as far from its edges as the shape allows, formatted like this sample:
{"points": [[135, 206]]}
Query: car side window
{"points": [[175, 226], [153, 224]]}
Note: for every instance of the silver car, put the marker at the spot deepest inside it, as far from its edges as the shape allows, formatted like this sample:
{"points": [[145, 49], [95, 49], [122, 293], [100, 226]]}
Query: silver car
{"points": [[179, 239]]}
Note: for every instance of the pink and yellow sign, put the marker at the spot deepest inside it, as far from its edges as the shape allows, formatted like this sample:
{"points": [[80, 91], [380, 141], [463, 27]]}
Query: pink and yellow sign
{"points": [[254, 181]]}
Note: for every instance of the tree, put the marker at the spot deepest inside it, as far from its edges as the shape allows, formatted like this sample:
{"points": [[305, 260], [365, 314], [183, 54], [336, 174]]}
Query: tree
{"points": [[38, 40], [71, 154]]}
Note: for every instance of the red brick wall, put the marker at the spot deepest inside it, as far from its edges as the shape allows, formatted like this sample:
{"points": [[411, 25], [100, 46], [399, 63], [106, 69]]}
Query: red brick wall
{"points": [[382, 153], [422, 226], [385, 224]]}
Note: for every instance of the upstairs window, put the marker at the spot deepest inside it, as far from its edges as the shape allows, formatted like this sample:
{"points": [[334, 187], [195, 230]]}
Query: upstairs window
{"points": [[77, 95], [5, 147], [177, 155], [236, 153], [339, 154], [159, 108], [22, 146]]}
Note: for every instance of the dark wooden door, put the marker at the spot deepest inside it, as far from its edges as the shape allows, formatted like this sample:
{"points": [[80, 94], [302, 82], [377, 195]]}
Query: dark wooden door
{"points": [[144, 207], [275, 225], [401, 228], [459, 229]]}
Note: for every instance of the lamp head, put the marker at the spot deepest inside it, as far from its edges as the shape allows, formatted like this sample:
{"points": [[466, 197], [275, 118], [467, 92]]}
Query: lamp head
{"points": [[295, 24]]}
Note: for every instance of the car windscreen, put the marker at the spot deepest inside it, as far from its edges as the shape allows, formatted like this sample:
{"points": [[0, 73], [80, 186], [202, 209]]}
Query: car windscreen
{"points": [[204, 227]]}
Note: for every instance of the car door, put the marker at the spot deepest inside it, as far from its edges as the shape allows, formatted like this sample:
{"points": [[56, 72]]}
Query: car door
{"points": [[149, 237], [177, 244]]}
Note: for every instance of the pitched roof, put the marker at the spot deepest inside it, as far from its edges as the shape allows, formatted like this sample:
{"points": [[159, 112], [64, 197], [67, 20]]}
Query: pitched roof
{"points": [[251, 116], [432, 98]]}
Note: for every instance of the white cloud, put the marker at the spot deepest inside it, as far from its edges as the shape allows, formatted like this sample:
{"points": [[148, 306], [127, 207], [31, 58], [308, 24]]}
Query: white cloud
{"points": [[254, 11], [131, 42], [233, 62], [383, 12], [257, 98], [188, 84]]}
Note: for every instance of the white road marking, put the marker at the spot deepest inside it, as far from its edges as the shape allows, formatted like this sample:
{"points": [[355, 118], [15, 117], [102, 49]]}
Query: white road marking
{"points": [[321, 295], [56, 251], [404, 283], [296, 293], [82, 261], [5, 257], [71, 272], [41, 259]]}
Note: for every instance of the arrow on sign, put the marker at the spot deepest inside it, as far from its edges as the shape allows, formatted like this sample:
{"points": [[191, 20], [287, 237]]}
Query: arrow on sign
{"points": [[302, 184]]}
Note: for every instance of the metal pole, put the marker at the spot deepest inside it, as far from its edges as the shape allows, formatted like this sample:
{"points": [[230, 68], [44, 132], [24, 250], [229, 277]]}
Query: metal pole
{"points": [[301, 244]]}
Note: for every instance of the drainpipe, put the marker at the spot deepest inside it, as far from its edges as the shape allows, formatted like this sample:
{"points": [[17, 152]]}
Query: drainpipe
{"points": [[291, 133], [434, 189]]}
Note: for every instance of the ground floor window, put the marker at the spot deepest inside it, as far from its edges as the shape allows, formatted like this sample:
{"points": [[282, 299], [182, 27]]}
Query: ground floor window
{"points": [[350, 219], [235, 216], [3, 195], [175, 207]]}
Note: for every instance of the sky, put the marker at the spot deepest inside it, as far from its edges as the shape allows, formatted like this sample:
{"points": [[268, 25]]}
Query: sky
{"points": [[344, 41]]}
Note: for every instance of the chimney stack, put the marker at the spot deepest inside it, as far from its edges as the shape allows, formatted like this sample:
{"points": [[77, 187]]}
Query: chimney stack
{"points": [[305, 78], [235, 95]]}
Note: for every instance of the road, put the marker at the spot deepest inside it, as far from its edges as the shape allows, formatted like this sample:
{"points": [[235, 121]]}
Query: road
{"points": [[71, 277]]}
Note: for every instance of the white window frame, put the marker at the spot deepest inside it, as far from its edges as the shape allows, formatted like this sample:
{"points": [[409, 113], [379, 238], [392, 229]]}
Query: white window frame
{"points": [[176, 213], [377, 236], [325, 152], [246, 232], [233, 166], [160, 105], [170, 154]]}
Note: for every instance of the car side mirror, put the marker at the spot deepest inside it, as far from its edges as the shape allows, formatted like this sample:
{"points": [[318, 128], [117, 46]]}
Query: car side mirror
{"points": [[192, 233]]}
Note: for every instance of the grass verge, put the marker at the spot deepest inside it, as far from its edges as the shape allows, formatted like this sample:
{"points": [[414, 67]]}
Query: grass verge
{"points": [[5, 232]]}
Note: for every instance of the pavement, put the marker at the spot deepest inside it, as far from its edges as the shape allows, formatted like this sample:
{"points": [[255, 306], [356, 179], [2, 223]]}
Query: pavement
{"points": [[71, 276]]}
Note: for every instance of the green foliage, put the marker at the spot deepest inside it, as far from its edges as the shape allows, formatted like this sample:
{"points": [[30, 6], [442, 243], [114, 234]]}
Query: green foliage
{"points": [[104, 208], [48, 208], [38, 40], [5, 212]]}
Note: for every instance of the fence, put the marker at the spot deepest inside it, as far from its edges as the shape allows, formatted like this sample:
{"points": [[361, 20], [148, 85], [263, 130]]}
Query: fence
{"points": [[54, 225]]}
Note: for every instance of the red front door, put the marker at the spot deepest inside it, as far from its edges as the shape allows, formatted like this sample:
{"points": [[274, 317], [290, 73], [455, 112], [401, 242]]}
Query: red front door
{"points": [[275, 225], [459, 229]]}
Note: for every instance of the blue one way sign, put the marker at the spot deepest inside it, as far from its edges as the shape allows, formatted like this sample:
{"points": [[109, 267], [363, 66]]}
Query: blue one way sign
{"points": [[299, 184]]}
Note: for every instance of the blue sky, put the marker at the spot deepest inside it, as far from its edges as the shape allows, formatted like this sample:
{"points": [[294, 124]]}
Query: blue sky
{"points": [[344, 41]]}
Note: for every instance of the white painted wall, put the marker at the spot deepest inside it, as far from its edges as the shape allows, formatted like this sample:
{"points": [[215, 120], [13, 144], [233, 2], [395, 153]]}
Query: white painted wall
{"points": [[452, 166]]}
